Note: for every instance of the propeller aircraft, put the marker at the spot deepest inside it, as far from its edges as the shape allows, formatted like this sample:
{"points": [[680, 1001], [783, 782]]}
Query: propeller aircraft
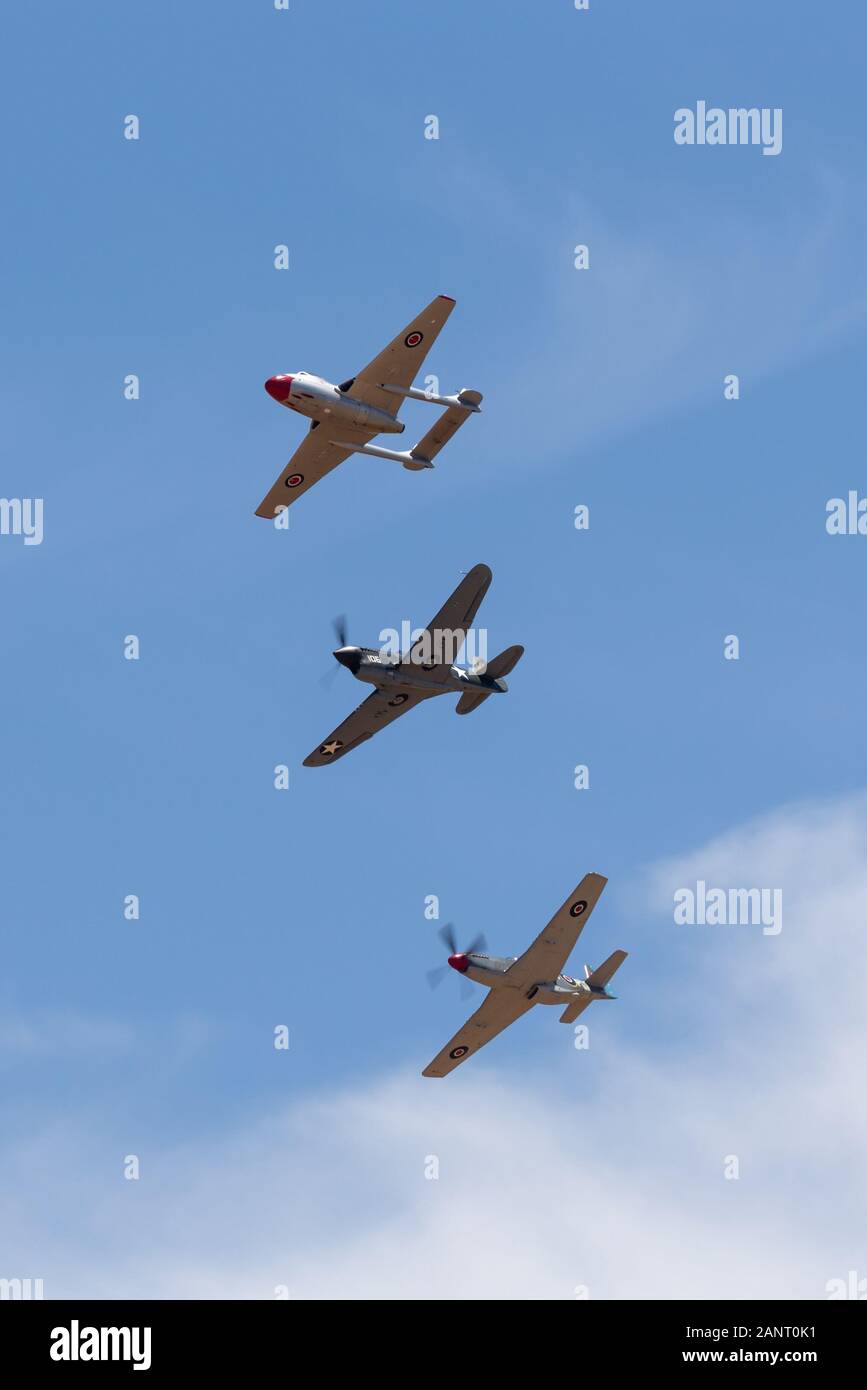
{"points": [[404, 681], [516, 983]]}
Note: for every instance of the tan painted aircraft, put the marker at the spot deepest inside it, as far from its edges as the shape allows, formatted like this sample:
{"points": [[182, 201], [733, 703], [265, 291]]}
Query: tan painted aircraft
{"points": [[516, 983], [345, 418], [404, 680]]}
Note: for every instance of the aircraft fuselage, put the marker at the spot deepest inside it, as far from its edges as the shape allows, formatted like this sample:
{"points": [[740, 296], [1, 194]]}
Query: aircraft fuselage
{"points": [[321, 400], [388, 675], [493, 971]]}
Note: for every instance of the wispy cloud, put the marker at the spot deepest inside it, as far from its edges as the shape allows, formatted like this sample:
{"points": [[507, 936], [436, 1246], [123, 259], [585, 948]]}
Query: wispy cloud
{"points": [[690, 289], [608, 1173]]}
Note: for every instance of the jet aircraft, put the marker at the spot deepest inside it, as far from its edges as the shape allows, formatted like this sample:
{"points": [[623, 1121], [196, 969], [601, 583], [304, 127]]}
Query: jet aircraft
{"points": [[345, 418]]}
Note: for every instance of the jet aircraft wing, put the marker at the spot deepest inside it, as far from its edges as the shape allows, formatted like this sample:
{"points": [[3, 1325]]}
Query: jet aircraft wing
{"points": [[501, 1007], [545, 957], [400, 363], [379, 709], [314, 457]]}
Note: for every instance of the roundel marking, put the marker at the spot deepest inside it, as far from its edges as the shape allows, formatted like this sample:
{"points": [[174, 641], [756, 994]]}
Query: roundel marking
{"points": [[399, 700], [577, 908], [458, 1052], [295, 480], [413, 339]]}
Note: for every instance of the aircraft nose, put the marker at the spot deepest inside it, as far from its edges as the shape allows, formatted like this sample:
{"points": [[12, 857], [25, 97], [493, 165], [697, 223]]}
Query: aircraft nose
{"points": [[349, 657], [459, 962], [278, 387]]}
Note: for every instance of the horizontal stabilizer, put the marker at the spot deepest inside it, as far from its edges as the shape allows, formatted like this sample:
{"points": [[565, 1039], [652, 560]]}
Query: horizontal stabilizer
{"points": [[571, 1011], [442, 431], [470, 700], [504, 663], [598, 979]]}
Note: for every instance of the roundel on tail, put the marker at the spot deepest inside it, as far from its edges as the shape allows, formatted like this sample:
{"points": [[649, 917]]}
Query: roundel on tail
{"points": [[578, 908]]}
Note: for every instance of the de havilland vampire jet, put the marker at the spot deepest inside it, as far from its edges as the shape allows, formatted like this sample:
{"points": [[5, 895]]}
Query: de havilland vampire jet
{"points": [[345, 418], [516, 983], [403, 681]]}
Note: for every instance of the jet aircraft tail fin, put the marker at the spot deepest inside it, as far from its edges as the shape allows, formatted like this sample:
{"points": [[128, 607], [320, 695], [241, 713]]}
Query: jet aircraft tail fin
{"points": [[440, 433]]}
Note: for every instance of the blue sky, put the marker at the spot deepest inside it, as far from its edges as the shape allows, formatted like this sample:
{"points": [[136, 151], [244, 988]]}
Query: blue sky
{"points": [[603, 387]]}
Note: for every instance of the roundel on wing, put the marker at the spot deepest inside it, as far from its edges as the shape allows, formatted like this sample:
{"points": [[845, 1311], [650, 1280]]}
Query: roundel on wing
{"points": [[295, 480], [399, 700], [413, 339], [577, 908], [458, 1052]]}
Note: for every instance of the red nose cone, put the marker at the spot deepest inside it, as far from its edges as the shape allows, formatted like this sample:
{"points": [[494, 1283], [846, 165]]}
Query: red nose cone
{"points": [[278, 387], [459, 962]]}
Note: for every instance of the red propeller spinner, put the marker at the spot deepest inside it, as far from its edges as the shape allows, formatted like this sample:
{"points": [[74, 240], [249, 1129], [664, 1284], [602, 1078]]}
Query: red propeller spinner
{"points": [[458, 960]]}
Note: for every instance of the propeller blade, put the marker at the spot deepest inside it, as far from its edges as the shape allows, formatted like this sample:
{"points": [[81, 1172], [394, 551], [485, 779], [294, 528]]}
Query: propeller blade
{"points": [[340, 629], [447, 937], [466, 988], [327, 680], [477, 944], [436, 977]]}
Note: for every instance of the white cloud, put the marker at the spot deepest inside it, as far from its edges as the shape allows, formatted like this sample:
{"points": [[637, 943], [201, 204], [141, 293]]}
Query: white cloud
{"points": [[606, 1172], [675, 299]]}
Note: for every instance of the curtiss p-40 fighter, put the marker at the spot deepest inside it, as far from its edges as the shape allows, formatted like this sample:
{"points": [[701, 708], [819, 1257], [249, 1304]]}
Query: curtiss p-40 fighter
{"points": [[402, 681], [345, 418], [516, 983]]}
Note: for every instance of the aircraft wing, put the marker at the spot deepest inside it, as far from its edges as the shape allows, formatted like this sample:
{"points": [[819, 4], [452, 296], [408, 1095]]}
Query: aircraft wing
{"points": [[545, 958], [455, 617], [501, 1007], [400, 363], [314, 457], [379, 709]]}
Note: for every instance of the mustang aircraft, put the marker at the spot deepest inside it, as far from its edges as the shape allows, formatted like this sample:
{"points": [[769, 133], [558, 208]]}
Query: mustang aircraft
{"points": [[516, 983], [345, 418], [404, 681]]}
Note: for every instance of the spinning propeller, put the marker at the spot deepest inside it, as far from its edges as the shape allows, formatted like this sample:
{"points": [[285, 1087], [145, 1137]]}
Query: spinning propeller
{"points": [[340, 632], [457, 959]]}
